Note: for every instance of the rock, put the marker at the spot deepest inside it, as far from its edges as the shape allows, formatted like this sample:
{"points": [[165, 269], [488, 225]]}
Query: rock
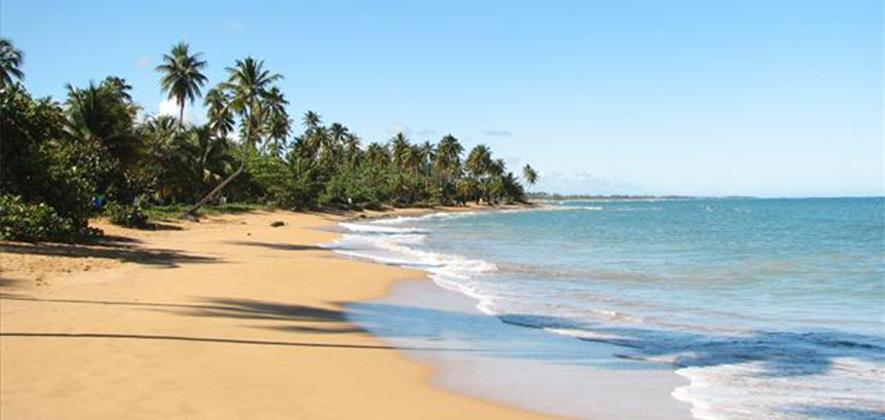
{"points": [[278, 223]]}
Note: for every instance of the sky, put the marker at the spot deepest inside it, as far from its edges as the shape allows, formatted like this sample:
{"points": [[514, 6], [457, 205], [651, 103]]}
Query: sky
{"points": [[765, 98]]}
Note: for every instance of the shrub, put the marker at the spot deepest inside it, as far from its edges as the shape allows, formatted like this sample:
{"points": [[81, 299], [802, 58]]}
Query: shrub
{"points": [[20, 221], [126, 215]]}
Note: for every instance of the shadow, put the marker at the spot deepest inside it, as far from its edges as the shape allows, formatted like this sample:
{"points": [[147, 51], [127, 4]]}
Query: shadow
{"points": [[12, 296], [781, 353], [278, 247], [158, 226], [204, 340], [263, 310], [7, 282], [108, 250]]}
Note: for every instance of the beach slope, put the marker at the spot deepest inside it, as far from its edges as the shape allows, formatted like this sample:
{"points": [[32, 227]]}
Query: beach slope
{"points": [[228, 318]]}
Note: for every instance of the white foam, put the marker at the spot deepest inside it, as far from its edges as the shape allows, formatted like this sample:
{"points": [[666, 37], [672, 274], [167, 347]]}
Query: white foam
{"points": [[383, 242], [747, 391]]}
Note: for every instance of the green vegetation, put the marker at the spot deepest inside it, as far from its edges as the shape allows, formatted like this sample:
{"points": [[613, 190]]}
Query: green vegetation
{"points": [[93, 154]]}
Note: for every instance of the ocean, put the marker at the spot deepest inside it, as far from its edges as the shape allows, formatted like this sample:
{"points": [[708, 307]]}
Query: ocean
{"points": [[763, 308]]}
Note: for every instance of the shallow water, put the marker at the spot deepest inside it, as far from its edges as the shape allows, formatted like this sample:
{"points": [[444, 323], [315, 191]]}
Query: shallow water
{"points": [[770, 308]]}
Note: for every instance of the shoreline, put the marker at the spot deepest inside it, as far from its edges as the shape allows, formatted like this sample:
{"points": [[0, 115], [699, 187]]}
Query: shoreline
{"points": [[491, 358], [169, 323]]}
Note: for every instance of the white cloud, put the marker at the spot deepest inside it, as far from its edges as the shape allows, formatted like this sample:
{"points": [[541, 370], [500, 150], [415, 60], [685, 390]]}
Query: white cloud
{"points": [[236, 27], [583, 183], [497, 133], [397, 127], [143, 61], [171, 108]]}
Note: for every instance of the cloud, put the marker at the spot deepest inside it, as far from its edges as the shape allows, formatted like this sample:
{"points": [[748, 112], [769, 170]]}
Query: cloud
{"points": [[497, 133], [397, 127], [584, 183], [428, 132], [143, 61], [236, 27], [171, 108]]}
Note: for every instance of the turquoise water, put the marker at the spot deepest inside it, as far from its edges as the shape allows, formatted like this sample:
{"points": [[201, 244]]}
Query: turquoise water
{"points": [[771, 308]]}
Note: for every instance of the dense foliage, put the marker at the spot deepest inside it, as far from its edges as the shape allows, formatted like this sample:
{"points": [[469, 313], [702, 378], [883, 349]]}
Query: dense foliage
{"points": [[61, 163]]}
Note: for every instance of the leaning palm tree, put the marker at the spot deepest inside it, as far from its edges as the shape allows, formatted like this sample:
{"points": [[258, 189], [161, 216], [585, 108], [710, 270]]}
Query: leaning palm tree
{"points": [[531, 177], [182, 76], [249, 85], [10, 63]]}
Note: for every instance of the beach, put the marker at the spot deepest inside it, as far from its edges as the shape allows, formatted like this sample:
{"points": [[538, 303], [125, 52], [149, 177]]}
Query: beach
{"points": [[226, 318]]}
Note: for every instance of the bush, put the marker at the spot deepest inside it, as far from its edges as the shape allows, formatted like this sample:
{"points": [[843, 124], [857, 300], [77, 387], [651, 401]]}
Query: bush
{"points": [[126, 215], [20, 221]]}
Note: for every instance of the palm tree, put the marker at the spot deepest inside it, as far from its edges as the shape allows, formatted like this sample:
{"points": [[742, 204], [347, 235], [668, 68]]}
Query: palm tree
{"points": [[352, 148], [400, 150], [377, 155], [531, 177], [11, 60], [448, 159], [248, 85], [277, 120], [479, 161], [219, 113], [210, 156], [182, 77], [311, 120]]}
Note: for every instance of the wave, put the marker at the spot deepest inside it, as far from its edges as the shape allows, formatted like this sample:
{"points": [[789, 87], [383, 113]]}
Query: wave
{"points": [[732, 373]]}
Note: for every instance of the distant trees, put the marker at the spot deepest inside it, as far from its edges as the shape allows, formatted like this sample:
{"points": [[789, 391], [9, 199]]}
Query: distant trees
{"points": [[61, 163]]}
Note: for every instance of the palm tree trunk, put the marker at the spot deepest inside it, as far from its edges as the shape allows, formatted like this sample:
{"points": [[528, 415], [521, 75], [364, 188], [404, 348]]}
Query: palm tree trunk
{"points": [[191, 213], [181, 115]]}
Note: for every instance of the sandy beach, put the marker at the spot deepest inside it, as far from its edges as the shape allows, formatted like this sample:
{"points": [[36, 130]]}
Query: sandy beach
{"points": [[227, 318]]}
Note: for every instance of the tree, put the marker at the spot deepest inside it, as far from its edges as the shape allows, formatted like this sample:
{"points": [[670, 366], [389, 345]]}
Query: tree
{"points": [[448, 161], [531, 177], [311, 120], [11, 60], [400, 149], [249, 86], [218, 112], [479, 161], [182, 78]]}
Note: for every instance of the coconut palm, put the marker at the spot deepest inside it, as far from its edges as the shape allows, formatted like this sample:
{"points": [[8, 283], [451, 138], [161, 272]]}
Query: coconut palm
{"points": [[182, 78], [352, 148], [377, 155], [248, 85], [311, 120], [531, 177], [448, 159], [11, 60], [209, 156], [400, 150], [479, 161], [219, 112]]}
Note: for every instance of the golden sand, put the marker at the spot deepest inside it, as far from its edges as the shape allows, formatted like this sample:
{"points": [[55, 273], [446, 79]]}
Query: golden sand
{"points": [[227, 318]]}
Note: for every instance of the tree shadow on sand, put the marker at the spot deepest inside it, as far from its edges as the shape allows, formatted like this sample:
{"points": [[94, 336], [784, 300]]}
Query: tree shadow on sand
{"points": [[291, 318], [278, 246], [125, 250]]}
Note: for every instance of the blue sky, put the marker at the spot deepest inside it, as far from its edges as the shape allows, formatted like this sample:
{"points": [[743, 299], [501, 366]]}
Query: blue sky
{"points": [[767, 98]]}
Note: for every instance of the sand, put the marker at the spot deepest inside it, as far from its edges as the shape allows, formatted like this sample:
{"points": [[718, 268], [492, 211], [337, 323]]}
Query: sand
{"points": [[227, 318]]}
